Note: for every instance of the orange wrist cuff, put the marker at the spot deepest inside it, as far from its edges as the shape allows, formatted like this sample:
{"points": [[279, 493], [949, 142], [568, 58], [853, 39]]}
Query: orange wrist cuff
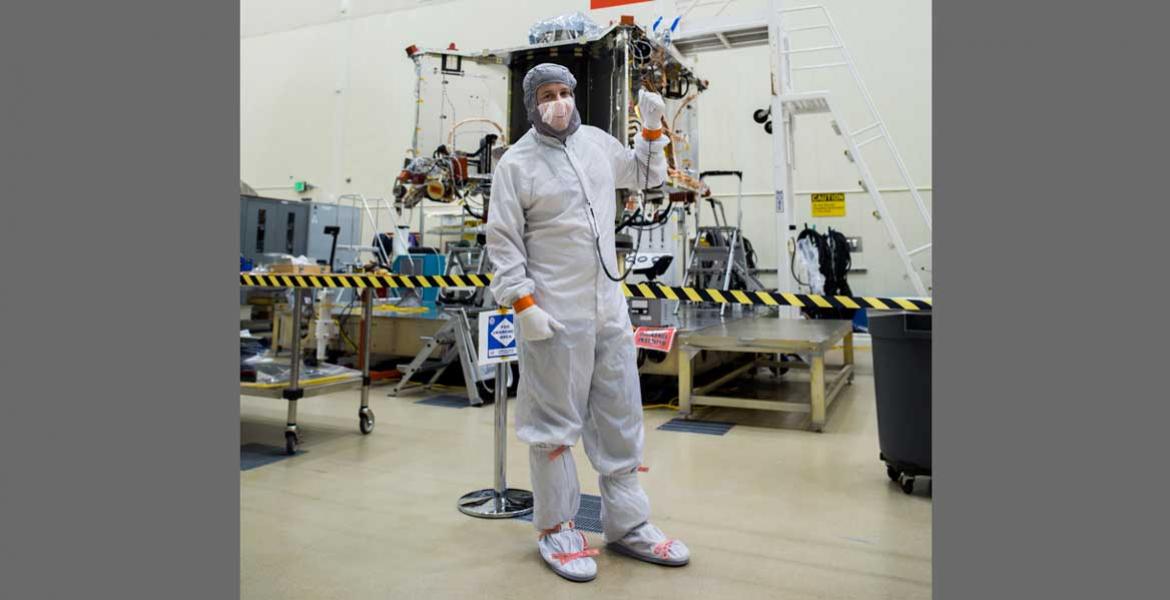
{"points": [[651, 134], [523, 303]]}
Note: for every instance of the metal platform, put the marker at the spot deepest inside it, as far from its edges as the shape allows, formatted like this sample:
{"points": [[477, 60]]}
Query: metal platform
{"points": [[767, 338], [693, 317], [310, 389]]}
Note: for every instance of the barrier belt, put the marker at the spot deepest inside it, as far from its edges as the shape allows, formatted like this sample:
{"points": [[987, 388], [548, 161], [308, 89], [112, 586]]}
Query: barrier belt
{"points": [[631, 290]]}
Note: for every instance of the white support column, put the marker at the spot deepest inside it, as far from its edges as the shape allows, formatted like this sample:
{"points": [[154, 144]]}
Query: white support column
{"points": [[784, 203]]}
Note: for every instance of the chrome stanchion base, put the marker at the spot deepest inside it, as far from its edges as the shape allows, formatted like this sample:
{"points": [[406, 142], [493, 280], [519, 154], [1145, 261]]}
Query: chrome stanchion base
{"points": [[490, 504], [498, 501]]}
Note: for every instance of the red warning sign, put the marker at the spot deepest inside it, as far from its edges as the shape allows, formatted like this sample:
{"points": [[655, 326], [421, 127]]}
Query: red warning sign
{"points": [[655, 338]]}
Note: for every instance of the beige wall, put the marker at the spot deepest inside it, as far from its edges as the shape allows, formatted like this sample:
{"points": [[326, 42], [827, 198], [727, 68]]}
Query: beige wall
{"points": [[327, 96]]}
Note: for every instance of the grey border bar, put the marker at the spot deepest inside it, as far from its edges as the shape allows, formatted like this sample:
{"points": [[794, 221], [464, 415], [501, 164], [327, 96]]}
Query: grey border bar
{"points": [[120, 428], [1049, 426]]}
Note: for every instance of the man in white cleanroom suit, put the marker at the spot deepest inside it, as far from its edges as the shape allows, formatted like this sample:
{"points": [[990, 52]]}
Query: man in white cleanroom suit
{"points": [[552, 214]]}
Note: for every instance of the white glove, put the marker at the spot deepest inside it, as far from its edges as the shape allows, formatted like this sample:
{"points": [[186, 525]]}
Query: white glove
{"points": [[536, 325], [652, 108]]}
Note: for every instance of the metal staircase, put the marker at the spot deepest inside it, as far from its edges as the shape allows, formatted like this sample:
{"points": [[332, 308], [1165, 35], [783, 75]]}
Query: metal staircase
{"points": [[457, 340], [820, 102], [774, 26]]}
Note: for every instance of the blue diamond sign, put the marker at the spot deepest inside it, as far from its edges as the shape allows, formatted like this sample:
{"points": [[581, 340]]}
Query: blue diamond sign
{"points": [[497, 337]]}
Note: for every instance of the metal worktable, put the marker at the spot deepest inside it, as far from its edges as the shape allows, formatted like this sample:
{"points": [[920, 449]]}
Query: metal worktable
{"points": [[691, 317], [767, 337], [295, 390]]}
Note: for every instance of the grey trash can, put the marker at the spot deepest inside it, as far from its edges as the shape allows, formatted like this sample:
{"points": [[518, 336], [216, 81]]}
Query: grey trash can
{"points": [[901, 370]]}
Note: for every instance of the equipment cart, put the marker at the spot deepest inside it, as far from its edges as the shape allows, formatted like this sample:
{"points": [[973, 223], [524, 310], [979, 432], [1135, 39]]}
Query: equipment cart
{"points": [[296, 390]]}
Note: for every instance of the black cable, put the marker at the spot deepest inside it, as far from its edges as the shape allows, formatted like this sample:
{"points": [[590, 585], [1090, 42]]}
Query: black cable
{"points": [[660, 219], [341, 321], [685, 88], [625, 222], [654, 225], [597, 232], [468, 210], [792, 267], [649, 228], [634, 47], [749, 254], [600, 258]]}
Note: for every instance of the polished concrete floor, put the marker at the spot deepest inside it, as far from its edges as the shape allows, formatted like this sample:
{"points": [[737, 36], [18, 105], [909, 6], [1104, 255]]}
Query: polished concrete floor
{"points": [[768, 510]]}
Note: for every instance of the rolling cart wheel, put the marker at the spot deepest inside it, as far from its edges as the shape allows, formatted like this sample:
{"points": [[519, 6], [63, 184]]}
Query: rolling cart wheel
{"points": [[290, 442], [892, 473], [907, 484], [366, 422]]}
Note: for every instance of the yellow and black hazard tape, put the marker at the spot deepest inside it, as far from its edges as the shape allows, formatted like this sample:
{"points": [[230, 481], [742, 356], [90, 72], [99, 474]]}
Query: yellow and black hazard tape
{"points": [[649, 290], [363, 281], [632, 290]]}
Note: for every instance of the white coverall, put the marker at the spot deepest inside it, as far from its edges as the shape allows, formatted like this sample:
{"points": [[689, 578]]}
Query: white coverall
{"points": [[582, 382]]}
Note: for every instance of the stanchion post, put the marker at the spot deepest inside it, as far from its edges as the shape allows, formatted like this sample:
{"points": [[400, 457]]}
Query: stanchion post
{"points": [[498, 502], [501, 434]]}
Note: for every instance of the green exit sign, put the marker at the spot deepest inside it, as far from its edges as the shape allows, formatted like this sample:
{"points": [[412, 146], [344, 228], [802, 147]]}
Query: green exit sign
{"points": [[301, 186]]}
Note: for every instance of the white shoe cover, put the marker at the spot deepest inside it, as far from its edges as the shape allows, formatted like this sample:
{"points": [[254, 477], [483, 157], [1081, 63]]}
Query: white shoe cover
{"points": [[647, 542], [567, 552]]}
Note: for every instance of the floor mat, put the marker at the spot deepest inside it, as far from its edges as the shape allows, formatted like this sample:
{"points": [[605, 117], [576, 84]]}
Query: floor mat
{"points": [[257, 455], [588, 516], [696, 426], [446, 401]]}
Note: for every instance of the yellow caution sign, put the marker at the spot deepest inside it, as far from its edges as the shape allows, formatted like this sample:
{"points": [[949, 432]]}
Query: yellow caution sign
{"points": [[828, 205]]}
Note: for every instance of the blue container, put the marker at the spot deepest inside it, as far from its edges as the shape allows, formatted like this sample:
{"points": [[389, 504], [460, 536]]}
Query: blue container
{"points": [[860, 322], [422, 264]]}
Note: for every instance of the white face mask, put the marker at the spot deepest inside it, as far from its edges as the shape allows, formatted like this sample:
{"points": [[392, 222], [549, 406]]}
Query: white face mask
{"points": [[557, 113]]}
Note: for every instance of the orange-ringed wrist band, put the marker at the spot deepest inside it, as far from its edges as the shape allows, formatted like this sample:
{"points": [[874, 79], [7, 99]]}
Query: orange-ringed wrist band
{"points": [[523, 303], [651, 134]]}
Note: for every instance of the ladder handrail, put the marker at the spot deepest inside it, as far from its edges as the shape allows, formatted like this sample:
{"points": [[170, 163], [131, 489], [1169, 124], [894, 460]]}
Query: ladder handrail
{"points": [[926, 216], [373, 223], [870, 187], [838, 44], [802, 8]]}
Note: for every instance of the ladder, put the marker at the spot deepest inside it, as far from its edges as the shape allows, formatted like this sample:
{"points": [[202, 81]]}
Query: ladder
{"points": [[856, 140], [457, 337], [718, 252], [820, 102], [379, 249], [466, 260], [775, 26], [458, 343]]}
